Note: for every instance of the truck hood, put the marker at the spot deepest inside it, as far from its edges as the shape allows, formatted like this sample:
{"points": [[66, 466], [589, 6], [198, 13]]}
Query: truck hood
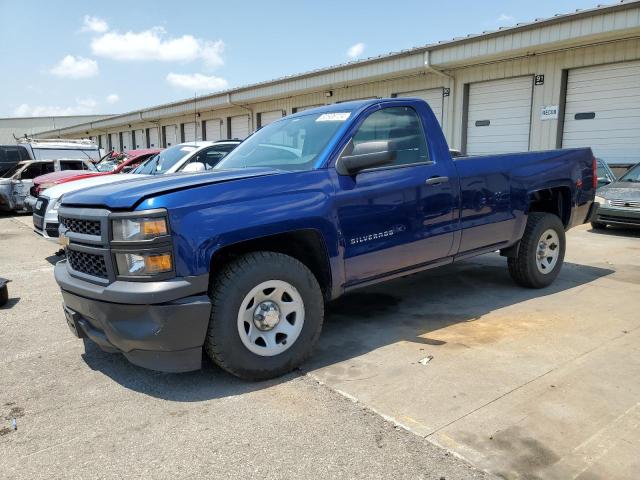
{"points": [[127, 195], [621, 191]]}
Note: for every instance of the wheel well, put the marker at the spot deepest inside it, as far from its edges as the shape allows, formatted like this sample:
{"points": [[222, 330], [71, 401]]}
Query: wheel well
{"points": [[307, 246], [552, 200]]}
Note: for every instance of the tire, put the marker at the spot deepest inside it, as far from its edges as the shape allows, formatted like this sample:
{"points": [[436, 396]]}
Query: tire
{"points": [[237, 293], [4, 295], [598, 225], [526, 268]]}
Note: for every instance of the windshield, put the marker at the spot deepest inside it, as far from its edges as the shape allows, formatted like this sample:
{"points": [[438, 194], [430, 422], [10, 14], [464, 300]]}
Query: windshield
{"points": [[632, 175], [11, 172], [290, 144], [75, 153], [160, 163], [109, 164]]}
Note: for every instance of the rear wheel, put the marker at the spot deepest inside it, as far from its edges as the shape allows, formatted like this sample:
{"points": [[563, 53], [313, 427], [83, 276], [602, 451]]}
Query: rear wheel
{"points": [[540, 253], [267, 313], [598, 225]]}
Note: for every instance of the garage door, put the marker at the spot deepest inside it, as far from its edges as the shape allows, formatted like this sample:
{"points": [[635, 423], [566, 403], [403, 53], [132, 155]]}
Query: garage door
{"points": [[154, 141], [103, 142], [139, 139], [269, 117], [114, 139], [499, 116], [189, 132], [170, 135], [602, 111], [240, 127], [126, 141], [433, 97], [213, 130]]}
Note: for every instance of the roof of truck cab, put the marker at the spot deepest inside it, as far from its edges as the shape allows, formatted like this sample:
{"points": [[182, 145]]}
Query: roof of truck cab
{"points": [[350, 106]]}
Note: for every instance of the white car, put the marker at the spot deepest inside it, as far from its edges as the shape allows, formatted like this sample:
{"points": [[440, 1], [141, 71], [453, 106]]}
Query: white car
{"points": [[187, 157], [45, 211]]}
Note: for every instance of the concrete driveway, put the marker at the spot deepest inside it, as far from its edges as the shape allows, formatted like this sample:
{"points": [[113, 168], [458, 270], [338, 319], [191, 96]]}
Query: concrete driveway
{"points": [[521, 383]]}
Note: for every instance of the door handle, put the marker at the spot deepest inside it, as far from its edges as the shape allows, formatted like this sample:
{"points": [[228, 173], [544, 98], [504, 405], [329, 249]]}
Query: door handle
{"points": [[436, 180]]}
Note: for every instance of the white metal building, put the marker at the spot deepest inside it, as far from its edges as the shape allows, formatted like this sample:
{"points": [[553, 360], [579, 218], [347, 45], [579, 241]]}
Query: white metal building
{"points": [[12, 127], [565, 81]]}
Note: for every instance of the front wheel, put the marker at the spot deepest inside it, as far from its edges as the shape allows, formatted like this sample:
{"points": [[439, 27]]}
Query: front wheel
{"points": [[540, 253], [267, 313]]}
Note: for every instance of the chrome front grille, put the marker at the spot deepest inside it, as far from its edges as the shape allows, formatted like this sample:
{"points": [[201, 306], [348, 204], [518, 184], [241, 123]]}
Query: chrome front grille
{"points": [[625, 203]]}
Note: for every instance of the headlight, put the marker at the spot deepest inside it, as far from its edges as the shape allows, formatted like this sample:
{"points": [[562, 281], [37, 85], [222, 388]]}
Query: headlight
{"points": [[56, 205], [600, 200], [142, 228], [143, 264]]}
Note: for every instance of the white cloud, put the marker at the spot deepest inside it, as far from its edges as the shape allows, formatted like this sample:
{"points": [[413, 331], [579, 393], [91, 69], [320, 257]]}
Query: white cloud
{"points": [[503, 17], [196, 81], [113, 98], [355, 50], [152, 45], [83, 106], [75, 67], [94, 24]]}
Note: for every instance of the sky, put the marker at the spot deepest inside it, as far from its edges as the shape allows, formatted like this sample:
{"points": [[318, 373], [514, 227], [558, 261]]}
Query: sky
{"points": [[85, 57]]}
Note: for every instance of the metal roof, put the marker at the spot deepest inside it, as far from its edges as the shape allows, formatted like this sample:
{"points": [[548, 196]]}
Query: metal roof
{"points": [[445, 54]]}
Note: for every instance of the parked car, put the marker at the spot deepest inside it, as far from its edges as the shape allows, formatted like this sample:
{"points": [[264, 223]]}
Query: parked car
{"points": [[193, 156], [45, 210], [35, 149], [53, 149], [45, 216], [619, 202], [605, 174], [109, 165], [240, 260], [17, 181]]}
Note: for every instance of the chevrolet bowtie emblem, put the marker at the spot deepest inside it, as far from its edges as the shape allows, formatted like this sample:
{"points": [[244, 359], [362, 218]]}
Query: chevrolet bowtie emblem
{"points": [[63, 240]]}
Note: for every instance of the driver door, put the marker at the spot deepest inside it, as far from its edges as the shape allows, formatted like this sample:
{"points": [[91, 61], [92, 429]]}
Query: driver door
{"points": [[394, 217]]}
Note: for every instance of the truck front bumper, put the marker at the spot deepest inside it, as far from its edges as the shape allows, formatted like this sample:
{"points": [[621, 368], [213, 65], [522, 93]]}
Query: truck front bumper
{"points": [[166, 335]]}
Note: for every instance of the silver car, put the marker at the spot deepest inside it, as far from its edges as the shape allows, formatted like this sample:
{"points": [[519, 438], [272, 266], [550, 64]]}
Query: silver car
{"points": [[17, 181]]}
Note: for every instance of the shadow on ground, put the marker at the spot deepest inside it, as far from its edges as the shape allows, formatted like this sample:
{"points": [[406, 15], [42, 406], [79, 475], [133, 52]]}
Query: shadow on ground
{"points": [[406, 309], [618, 232]]}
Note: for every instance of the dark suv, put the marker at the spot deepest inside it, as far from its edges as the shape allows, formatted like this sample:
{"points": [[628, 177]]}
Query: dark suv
{"points": [[10, 155]]}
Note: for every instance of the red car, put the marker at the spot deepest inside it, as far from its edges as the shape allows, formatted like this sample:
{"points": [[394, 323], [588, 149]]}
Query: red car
{"points": [[109, 165]]}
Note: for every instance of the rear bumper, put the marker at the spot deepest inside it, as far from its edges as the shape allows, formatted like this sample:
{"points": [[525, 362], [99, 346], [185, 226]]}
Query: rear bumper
{"points": [[617, 216], [165, 336]]}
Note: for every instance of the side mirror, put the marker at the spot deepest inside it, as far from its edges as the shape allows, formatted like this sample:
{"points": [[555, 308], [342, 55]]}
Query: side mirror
{"points": [[194, 167], [365, 155], [603, 181]]}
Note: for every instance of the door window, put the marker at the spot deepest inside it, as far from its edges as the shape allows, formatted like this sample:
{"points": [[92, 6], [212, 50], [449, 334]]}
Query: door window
{"points": [[402, 127], [71, 165], [13, 154], [32, 171]]}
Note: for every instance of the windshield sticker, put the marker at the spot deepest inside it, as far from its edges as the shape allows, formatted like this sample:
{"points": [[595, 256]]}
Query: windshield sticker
{"points": [[333, 117]]}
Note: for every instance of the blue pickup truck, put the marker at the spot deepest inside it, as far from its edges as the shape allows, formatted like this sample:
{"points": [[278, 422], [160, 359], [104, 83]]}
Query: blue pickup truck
{"points": [[241, 260]]}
